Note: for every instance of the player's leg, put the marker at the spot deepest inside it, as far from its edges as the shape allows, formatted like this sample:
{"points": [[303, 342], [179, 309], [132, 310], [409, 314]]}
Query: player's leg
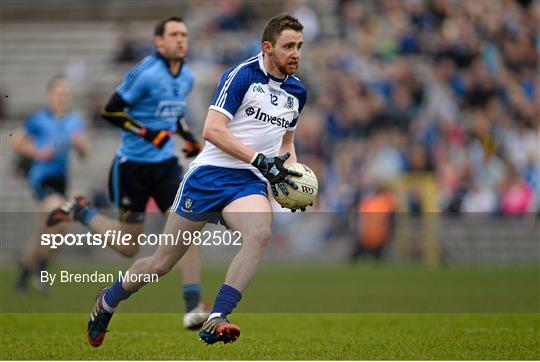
{"points": [[100, 224], [166, 177], [252, 217], [190, 268], [35, 258], [165, 257], [196, 312], [128, 191]]}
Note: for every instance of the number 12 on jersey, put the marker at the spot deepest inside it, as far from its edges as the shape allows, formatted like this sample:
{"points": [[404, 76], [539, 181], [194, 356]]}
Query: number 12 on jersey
{"points": [[273, 99]]}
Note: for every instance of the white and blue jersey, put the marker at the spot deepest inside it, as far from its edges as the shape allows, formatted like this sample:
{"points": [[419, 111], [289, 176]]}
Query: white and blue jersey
{"points": [[47, 130], [156, 98], [261, 110]]}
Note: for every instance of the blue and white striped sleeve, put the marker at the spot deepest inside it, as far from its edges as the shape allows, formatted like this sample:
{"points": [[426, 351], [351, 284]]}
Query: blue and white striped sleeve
{"points": [[231, 90]]}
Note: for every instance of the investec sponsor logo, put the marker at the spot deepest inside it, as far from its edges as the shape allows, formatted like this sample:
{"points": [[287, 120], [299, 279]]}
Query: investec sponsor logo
{"points": [[264, 117], [170, 109]]}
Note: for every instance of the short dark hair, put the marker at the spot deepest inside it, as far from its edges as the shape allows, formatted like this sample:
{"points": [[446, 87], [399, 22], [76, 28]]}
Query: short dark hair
{"points": [[277, 24], [55, 79], [160, 27]]}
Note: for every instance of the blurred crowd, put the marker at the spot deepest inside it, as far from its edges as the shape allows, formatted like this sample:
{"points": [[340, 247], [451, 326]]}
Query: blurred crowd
{"points": [[448, 89], [444, 87]]}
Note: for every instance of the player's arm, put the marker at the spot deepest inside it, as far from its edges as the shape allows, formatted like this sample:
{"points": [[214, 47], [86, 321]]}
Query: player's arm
{"points": [[114, 112], [80, 144], [216, 132], [23, 144], [287, 146]]}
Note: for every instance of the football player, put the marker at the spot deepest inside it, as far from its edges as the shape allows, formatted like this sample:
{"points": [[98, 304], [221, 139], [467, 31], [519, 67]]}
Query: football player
{"points": [[149, 106], [249, 131], [46, 139]]}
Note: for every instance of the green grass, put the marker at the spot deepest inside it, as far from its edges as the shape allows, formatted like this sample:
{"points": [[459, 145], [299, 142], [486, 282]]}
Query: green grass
{"points": [[297, 312], [280, 336], [316, 289]]}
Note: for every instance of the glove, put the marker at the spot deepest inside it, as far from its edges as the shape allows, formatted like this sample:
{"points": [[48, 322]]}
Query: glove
{"points": [[275, 172], [156, 137], [192, 149]]}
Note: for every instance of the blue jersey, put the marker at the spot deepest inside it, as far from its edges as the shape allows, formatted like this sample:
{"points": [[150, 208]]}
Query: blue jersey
{"points": [[47, 130], [156, 98]]}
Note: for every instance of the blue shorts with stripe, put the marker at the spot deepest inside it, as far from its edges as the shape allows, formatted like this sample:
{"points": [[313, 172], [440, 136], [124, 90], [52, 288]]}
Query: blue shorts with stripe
{"points": [[206, 190]]}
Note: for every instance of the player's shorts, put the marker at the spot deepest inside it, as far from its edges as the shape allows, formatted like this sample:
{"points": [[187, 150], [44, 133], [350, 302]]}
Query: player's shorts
{"points": [[48, 186], [206, 190], [131, 184]]}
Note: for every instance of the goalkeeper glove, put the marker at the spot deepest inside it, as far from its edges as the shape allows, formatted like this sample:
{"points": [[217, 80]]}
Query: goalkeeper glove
{"points": [[193, 147], [156, 137], [275, 172]]}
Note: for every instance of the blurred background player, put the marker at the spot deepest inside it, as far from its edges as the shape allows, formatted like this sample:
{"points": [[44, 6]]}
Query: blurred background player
{"points": [[149, 105], [251, 120], [46, 139]]}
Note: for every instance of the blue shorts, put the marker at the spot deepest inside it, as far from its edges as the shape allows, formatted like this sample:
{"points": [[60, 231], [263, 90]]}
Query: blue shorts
{"points": [[206, 190]]}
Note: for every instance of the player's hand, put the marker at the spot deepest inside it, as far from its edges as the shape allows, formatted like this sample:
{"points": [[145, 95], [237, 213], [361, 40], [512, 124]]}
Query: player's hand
{"points": [[45, 154], [156, 137], [273, 169], [192, 149]]}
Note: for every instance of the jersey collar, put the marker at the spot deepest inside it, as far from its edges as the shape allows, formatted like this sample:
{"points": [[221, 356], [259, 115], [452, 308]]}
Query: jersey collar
{"points": [[263, 69], [53, 116], [166, 62]]}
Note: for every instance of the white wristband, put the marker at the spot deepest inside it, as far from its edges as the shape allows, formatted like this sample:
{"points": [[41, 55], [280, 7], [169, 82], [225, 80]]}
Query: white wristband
{"points": [[253, 158]]}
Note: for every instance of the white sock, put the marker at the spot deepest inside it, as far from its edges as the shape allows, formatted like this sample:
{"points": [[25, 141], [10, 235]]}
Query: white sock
{"points": [[214, 315], [106, 306]]}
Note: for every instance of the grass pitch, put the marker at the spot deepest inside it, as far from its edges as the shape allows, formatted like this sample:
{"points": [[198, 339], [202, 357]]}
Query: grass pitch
{"points": [[348, 313]]}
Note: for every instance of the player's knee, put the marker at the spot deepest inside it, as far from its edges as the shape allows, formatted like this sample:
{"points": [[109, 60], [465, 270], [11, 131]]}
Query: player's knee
{"points": [[259, 237], [263, 234]]}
